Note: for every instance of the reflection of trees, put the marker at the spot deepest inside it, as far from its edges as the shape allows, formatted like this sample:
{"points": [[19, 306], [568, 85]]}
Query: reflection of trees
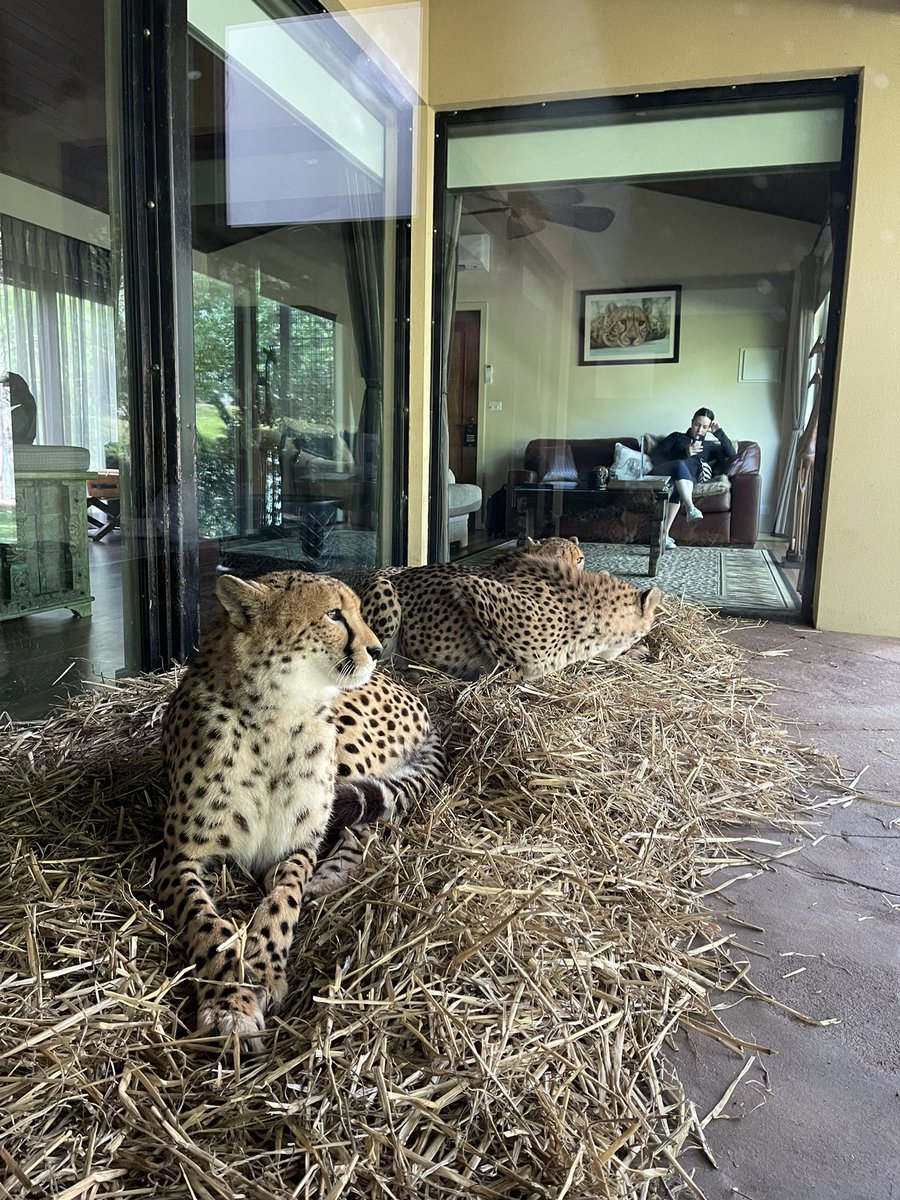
{"points": [[301, 388], [218, 419]]}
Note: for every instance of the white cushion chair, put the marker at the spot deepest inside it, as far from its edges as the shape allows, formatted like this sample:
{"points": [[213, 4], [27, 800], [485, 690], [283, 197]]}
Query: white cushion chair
{"points": [[462, 499]]}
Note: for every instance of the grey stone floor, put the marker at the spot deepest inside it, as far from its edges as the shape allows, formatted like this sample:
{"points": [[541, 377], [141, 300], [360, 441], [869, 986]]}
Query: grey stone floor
{"points": [[819, 1117]]}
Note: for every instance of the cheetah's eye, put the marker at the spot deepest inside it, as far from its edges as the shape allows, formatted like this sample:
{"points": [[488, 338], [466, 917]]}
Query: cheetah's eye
{"points": [[334, 614]]}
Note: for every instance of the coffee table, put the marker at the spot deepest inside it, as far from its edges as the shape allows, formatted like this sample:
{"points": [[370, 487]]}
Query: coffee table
{"points": [[638, 505]]}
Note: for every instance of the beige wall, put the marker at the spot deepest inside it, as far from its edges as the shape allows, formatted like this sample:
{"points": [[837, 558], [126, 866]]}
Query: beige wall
{"points": [[734, 268], [516, 50]]}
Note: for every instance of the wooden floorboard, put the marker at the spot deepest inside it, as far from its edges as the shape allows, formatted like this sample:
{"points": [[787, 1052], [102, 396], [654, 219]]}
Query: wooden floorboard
{"points": [[44, 658]]}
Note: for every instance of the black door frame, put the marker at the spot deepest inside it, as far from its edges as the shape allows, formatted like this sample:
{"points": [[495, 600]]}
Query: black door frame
{"points": [[156, 217], [158, 291], [842, 87]]}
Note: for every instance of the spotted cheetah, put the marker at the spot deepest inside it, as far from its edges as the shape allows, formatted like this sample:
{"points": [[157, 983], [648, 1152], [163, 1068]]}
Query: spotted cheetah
{"points": [[532, 618], [280, 746], [409, 609]]}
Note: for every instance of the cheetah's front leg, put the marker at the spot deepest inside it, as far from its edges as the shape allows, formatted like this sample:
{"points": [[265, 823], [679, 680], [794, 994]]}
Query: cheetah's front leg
{"points": [[273, 925], [229, 999]]}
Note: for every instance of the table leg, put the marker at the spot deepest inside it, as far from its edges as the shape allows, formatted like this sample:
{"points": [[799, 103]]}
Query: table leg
{"points": [[657, 531], [525, 505], [558, 500]]}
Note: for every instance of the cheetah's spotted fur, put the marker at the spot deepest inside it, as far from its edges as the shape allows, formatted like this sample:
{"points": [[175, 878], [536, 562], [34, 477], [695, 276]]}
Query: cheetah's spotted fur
{"points": [[531, 614], [414, 614], [279, 745]]}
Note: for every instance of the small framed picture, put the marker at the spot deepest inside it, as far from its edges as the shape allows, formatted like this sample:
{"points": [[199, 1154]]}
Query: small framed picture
{"points": [[641, 325]]}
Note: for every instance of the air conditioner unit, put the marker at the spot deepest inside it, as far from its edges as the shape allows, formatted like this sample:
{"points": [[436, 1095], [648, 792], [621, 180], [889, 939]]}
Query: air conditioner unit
{"points": [[474, 252]]}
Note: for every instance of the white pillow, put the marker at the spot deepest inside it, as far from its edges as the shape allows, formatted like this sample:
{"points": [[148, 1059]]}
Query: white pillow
{"points": [[629, 464]]}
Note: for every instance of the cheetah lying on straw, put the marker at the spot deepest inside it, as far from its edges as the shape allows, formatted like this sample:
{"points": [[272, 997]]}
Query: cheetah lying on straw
{"points": [[279, 744], [532, 612]]}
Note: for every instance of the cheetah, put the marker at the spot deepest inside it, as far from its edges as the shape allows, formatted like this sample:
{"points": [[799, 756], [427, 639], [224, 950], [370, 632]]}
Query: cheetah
{"points": [[533, 615], [281, 748], [409, 608], [537, 620]]}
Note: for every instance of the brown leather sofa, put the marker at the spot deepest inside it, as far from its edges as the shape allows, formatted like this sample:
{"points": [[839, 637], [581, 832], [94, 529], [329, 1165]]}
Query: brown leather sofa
{"points": [[730, 518]]}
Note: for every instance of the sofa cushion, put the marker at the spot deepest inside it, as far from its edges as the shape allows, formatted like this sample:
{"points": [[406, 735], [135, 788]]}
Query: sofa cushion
{"points": [[629, 464], [463, 498], [51, 458], [717, 486], [746, 461]]}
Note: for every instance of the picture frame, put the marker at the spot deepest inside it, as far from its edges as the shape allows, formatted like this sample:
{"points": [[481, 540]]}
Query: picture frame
{"points": [[648, 332]]}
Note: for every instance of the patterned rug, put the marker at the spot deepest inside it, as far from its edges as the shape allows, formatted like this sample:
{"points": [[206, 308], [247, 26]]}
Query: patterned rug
{"points": [[738, 582]]}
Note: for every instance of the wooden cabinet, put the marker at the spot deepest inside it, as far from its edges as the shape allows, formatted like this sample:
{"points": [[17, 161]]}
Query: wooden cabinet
{"points": [[47, 567]]}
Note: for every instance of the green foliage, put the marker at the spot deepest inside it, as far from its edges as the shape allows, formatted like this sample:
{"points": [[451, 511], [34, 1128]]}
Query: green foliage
{"points": [[214, 387]]}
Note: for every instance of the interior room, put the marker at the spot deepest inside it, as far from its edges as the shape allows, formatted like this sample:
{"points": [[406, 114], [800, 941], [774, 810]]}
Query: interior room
{"points": [[744, 260], [591, 895]]}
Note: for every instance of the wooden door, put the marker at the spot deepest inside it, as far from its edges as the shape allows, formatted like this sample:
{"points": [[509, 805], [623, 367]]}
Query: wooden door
{"points": [[462, 395]]}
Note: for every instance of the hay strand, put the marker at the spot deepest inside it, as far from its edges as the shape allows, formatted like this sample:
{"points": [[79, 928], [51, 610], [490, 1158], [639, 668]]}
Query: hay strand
{"points": [[484, 1013]]}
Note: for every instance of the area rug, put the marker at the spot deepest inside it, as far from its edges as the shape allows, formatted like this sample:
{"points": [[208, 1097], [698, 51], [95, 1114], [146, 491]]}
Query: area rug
{"points": [[739, 582]]}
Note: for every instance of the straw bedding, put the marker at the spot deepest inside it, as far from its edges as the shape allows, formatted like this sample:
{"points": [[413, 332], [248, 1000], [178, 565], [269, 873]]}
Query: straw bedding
{"points": [[485, 1013]]}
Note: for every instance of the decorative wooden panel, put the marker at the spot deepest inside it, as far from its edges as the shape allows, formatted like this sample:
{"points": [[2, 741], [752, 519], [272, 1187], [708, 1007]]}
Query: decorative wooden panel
{"points": [[48, 567]]}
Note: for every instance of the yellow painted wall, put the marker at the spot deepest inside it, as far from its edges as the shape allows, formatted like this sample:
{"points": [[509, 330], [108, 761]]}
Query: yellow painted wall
{"points": [[482, 53]]}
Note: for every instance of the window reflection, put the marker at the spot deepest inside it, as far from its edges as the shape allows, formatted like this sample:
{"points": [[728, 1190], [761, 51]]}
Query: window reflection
{"points": [[298, 142]]}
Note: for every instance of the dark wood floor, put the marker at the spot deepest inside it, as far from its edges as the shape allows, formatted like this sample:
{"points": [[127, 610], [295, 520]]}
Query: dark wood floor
{"points": [[45, 657]]}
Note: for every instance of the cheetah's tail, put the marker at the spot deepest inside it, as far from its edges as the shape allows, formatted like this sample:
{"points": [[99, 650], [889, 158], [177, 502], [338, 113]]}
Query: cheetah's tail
{"points": [[388, 797]]}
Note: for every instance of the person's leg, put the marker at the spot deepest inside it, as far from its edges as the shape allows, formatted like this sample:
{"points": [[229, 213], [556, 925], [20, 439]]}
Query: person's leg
{"points": [[683, 486]]}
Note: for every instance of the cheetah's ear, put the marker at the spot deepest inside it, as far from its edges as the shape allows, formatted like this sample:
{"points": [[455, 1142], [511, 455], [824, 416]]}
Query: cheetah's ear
{"points": [[649, 601], [531, 543], [240, 598], [574, 540]]}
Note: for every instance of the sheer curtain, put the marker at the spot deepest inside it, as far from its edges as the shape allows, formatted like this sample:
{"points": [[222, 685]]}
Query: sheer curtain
{"points": [[440, 505], [811, 284], [56, 330]]}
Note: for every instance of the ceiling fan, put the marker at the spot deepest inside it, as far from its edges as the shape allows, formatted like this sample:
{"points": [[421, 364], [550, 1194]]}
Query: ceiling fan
{"points": [[528, 212]]}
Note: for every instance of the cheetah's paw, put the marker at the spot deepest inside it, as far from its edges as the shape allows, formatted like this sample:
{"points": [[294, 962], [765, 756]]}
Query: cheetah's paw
{"points": [[237, 1012]]}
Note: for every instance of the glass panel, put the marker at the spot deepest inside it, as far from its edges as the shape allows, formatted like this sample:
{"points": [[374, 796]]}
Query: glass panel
{"points": [[654, 143], [605, 298], [300, 194], [61, 332]]}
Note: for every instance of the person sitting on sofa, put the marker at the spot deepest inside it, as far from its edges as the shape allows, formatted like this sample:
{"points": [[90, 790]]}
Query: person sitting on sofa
{"points": [[683, 455]]}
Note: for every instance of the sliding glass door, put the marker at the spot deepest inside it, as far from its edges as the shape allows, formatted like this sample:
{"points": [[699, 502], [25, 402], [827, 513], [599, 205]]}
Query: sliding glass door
{"points": [[623, 264], [300, 201]]}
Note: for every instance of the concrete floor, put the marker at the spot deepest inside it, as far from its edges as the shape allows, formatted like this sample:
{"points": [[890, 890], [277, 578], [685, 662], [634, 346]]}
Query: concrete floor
{"points": [[829, 1127]]}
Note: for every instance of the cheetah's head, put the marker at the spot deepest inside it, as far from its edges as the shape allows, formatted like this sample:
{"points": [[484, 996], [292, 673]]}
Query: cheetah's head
{"points": [[306, 628], [565, 550]]}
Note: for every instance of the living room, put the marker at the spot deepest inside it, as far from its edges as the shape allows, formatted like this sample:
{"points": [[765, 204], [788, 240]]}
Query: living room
{"points": [[726, 251]]}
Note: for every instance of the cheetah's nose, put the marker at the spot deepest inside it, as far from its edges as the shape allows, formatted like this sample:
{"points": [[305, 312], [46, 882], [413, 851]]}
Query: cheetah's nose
{"points": [[375, 651]]}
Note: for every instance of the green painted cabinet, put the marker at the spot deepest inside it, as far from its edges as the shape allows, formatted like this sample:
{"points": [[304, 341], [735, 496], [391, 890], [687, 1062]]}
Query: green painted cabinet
{"points": [[47, 567]]}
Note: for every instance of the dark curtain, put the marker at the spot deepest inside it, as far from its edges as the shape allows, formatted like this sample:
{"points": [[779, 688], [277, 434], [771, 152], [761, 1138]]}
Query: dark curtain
{"points": [[364, 246], [439, 500]]}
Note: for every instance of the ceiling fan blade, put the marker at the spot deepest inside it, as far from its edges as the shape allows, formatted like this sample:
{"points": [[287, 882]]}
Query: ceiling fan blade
{"points": [[539, 201], [476, 212], [522, 224], [591, 218]]}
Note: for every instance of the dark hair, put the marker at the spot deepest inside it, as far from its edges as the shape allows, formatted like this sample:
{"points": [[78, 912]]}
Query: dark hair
{"points": [[705, 412]]}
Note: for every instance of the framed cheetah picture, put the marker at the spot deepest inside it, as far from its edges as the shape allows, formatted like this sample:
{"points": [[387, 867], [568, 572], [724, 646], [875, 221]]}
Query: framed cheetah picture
{"points": [[641, 325]]}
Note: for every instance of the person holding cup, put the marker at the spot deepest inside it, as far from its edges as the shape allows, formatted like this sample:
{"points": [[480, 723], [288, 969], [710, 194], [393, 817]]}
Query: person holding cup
{"points": [[682, 455]]}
